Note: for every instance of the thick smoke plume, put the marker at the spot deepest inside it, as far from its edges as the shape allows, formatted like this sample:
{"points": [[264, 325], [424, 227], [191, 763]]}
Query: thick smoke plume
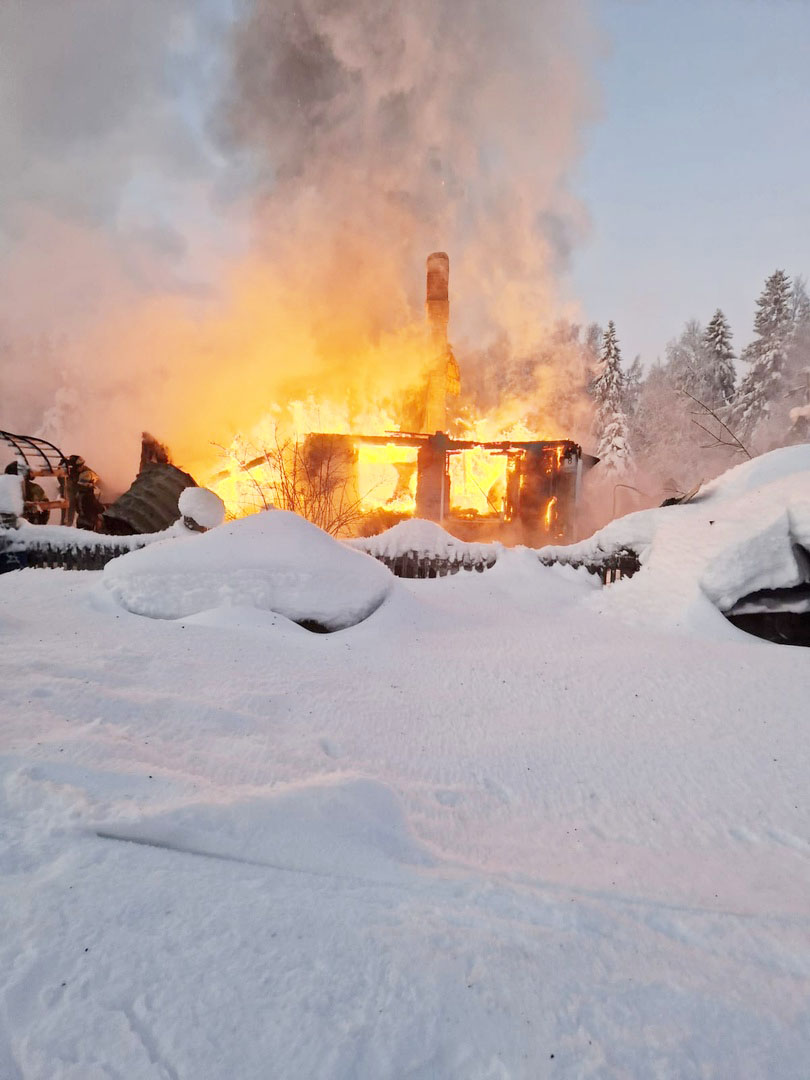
{"points": [[207, 214]]}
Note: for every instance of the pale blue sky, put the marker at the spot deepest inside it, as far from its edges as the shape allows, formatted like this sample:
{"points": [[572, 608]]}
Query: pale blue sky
{"points": [[697, 177]]}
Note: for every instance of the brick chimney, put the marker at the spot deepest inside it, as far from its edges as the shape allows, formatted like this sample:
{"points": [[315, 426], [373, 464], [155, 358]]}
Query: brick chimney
{"points": [[437, 307]]}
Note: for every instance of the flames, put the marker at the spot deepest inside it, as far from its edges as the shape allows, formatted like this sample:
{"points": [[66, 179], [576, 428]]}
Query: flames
{"points": [[248, 475], [350, 447]]}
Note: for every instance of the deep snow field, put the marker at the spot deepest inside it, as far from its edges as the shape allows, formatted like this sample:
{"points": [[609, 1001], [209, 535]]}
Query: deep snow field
{"points": [[502, 828]]}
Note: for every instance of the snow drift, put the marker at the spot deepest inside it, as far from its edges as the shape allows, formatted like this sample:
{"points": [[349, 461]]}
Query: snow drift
{"points": [[350, 826], [746, 531], [274, 561]]}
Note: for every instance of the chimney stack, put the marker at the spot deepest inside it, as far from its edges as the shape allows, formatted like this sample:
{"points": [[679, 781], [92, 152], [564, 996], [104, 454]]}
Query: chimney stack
{"points": [[437, 303], [443, 376]]}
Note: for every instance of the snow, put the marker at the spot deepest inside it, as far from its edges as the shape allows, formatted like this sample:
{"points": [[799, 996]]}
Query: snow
{"points": [[11, 496], [424, 538], [496, 829], [202, 506], [738, 535], [273, 561], [64, 537]]}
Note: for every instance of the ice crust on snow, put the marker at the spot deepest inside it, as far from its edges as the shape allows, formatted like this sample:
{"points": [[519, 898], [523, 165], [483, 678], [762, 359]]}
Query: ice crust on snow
{"points": [[202, 505], [737, 536], [273, 561], [11, 494]]}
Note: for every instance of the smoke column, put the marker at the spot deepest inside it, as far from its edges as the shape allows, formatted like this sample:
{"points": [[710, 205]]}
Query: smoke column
{"points": [[207, 211]]}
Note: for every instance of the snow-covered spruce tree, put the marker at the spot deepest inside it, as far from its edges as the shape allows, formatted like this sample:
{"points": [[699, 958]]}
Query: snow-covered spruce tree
{"points": [[798, 374], [762, 391], [799, 351], [719, 374], [686, 360], [610, 424], [633, 379]]}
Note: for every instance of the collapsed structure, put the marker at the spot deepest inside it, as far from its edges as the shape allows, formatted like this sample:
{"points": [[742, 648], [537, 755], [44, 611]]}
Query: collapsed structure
{"points": [[150, 503], [538, 489]]}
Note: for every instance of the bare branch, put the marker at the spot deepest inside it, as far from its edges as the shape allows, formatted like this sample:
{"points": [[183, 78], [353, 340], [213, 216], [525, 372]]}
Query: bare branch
{"points": [[718, 441]]}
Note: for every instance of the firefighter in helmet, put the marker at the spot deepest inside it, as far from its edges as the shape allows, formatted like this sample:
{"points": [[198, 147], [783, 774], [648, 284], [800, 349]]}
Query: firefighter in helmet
{"points": [[83, 488]]}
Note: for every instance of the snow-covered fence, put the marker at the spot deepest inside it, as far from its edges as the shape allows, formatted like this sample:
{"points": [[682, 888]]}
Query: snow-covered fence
{"points": [[62, 548], [422, 549], [418, 564], [412, 550], [76, 557], [610, 568]]}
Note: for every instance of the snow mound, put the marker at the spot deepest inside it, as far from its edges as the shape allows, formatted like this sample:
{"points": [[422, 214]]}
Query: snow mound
{"points": [[202, 505], [750, 476], [273, 561], [11, 495], [423, 537], [741, 534], [348, 827]]}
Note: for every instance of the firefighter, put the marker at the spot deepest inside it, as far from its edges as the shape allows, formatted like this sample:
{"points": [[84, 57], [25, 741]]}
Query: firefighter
{"points": [[32, 493], [83, 486]]}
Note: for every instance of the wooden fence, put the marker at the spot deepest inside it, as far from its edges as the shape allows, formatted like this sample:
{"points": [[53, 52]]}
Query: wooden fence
{"points": [[19, 554]]}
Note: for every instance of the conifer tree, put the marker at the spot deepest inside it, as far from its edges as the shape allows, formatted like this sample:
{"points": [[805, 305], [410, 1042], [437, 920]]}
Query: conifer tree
{"points": [[799, 351], [762, 389], [719, 374], [798, 391], [686, 360], [611, 427], [634, 377]]}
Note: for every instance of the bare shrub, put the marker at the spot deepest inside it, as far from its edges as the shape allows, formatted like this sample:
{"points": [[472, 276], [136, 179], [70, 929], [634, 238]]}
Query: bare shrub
{"points": [[313, 477]]}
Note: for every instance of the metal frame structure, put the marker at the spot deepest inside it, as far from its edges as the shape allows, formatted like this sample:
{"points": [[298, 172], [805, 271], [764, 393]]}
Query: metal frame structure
{"points": [[42, 458]]}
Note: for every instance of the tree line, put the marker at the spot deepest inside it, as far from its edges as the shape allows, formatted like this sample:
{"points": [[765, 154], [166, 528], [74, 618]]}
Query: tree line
{"points": [[690, 416]]}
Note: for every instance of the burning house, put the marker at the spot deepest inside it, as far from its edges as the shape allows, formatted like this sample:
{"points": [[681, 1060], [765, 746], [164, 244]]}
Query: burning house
{"points": [[363, 481], [524, 490]]}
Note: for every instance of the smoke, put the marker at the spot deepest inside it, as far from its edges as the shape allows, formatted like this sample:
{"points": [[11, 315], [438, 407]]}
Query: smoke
{"points": [[389, 130], [205, 210]]}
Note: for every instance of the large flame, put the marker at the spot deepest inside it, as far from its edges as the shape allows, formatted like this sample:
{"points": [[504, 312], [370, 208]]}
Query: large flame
{"points": [[250, 471], [260, 240]]}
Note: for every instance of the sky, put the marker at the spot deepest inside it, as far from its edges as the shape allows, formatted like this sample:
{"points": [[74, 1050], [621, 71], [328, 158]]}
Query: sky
{"points": [[695, 176]]}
